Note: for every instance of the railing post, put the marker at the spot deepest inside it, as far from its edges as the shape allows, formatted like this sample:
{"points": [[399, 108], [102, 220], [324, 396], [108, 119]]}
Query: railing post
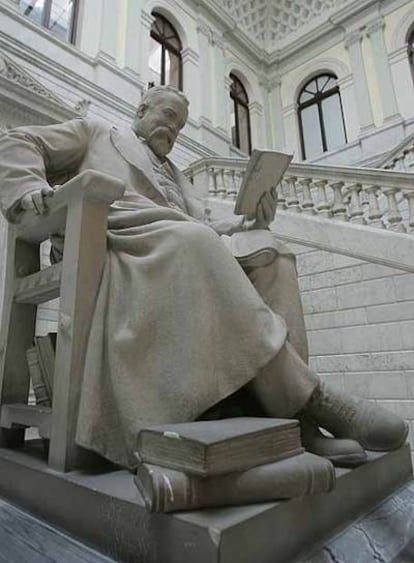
{"points": [[292, 197], [356, 213], [307, 202], [338, 207], [409, 196], [393, 215], [281, 200], [323, 206], [212, 188], [374, 212]]}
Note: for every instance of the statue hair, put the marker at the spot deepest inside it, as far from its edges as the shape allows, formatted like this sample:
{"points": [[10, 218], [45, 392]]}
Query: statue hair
{"points": [[155, 91]]}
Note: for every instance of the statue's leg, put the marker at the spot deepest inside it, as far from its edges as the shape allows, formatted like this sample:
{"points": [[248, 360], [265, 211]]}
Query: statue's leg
{"points": [[277, 283], [285, 385]]}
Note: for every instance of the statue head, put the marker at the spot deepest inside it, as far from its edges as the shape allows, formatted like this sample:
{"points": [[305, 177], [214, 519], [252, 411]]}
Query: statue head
{"points": [[160, 116]]}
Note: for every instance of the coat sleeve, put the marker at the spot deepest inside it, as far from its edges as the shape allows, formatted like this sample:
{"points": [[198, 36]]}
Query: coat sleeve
{"points": [[29, 154]]}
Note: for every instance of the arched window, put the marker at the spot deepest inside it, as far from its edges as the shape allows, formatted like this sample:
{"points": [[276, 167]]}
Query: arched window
{"points": [[165, 54], [240, 118], [411, 51], [321, 120], [59, 16]]}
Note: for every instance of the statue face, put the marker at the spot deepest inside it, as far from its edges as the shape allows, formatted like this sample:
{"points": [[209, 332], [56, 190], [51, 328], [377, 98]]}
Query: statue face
{"points": [[160, 121]]}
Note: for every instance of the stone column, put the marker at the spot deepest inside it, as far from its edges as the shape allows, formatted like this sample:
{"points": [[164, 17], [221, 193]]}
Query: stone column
{"points": [[132, 42], [375, 32], [353, 44], [222, 86], [108, 44], [257, 130], [267, 111], [291, 127], [146, 23], [191, 80], [276, 112], [205, 75]]}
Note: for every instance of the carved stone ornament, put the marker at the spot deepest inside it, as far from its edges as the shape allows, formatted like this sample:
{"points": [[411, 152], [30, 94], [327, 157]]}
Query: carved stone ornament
{"points": [[15, 73]]}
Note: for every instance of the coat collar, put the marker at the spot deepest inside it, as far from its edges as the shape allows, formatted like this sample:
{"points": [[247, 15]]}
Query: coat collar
{"points": [[131, 148]]}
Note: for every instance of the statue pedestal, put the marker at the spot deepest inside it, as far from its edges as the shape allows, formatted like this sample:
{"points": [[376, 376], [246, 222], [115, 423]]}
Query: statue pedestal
{"points": [[106, 511]]}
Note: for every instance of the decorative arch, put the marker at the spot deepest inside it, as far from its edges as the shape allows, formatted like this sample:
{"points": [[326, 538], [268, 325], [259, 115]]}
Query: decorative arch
{"points": [[319, 66], [402, 30], [240, 115], [249, 80], [165, 57], [320, 115], [164, 9]]}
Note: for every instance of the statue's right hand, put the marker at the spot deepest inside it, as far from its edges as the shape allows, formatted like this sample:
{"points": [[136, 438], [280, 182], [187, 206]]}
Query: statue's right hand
{"points": [[37, 200]]}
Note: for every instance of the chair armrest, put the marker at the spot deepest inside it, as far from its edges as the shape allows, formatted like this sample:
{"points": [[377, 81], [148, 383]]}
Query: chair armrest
{"points": [[89, 185]]}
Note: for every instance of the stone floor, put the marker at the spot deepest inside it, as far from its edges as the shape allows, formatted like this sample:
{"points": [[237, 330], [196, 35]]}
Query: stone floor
{"points": [[385, 535]]}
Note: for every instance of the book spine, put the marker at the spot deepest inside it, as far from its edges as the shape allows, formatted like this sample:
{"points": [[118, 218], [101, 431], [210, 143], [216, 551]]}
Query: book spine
{"points": [[39, 387], [167, 490]]}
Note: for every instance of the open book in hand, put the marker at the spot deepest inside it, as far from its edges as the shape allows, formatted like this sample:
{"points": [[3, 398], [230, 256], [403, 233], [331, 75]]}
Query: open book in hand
{"points": [[264, 171]]}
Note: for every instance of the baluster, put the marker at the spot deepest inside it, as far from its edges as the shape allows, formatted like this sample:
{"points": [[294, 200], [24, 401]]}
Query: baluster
{"points": [[409, 196], [292, 197], [338, 207], [323, 206], [228, 174], [399, 163], [307, 201], [281, 200], [212, 186], [393, 213], [207, 216], [409, 158], [374, 212], [221, 184], [238, 178], [356, 213]]}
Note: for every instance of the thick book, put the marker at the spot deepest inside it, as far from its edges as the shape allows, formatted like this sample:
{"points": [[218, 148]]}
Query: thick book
{"points": [[264, 171], [213, 447], [168, 490], [40, 391], [45, 348]]}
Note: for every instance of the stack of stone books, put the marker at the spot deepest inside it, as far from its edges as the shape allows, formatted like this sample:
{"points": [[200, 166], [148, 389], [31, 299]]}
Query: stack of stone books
{"points": [[226, 463]]}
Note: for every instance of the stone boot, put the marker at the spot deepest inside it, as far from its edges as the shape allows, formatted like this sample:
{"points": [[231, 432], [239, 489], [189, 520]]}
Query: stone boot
{"points": [[344, 416], [340, 451]]}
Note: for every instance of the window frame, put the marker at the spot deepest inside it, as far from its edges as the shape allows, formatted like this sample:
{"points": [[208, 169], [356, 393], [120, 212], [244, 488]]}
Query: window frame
{"points": [[317, 99], [165, 46], [45, 20], [410, 50], [237, 100]]}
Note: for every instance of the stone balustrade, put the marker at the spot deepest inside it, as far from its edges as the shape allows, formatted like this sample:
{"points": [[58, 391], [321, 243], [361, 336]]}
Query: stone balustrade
{"points": [[401, 158], [375, 197]]}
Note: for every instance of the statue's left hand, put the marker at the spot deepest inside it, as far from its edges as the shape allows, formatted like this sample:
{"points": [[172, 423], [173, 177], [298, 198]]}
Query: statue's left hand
{"points": [[265, 212], [37, 200]]}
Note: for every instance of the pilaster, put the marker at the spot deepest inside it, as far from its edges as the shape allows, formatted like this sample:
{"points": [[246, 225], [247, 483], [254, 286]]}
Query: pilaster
{"points": [[277, 114], [256, 124], [205, 39], [222, 85], [191, 84], [353, 45], [109, 29], [132, 43], [375, 32], [146, 23]]}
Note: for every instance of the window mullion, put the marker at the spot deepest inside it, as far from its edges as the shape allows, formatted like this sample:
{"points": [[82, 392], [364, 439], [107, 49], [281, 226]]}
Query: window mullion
{"points": [[322, 125], [162, 63]]}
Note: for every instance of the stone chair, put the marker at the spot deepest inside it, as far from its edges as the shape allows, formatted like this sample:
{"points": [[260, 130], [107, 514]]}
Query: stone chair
{"points": [[80, 209]]}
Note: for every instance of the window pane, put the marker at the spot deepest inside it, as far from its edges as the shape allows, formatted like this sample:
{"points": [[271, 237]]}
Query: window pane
{"points": [[33, 9], [312, 136], [61, 18], [305, 97], [311, 87], [244, 129], [172, 70], [332, 119], [233, 125], [155, 62]]}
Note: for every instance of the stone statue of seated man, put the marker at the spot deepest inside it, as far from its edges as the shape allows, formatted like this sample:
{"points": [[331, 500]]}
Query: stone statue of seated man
{"points": [[178, 325]]}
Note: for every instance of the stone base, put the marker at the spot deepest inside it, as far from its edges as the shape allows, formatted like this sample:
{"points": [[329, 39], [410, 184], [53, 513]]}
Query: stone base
{"points": [[106, 511]]}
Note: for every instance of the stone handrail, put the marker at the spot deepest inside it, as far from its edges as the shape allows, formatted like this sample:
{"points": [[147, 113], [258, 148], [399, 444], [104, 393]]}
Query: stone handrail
{"points": [[401, 158], [374, 197]]}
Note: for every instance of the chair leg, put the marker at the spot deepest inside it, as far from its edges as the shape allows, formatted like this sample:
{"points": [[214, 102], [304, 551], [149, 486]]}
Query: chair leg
{"points": [[16, 333]]}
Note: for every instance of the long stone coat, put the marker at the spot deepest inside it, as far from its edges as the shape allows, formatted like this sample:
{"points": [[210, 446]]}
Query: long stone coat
{"points": [[178, 326]]}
